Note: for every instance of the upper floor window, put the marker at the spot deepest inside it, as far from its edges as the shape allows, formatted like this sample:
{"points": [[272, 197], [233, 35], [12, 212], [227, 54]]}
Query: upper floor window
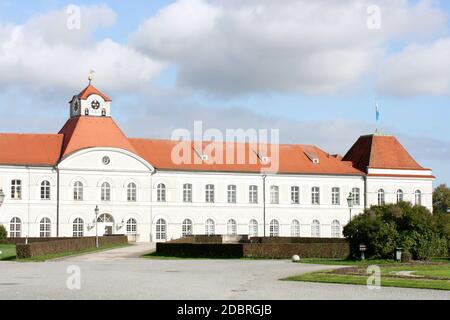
{"points": [[231, 194], [274, 194], [131, 226], [335, 196], [418, 197], [253, 194], [106, 192], [381, 197], [295, 194], [131, 192], [78, 191], [356, 195], [336, 229], [161, 192], [16, 189], [209, 193], [274, 228], [315, 195], [187, 192], [45, 228], [399, 195], [45, 190]]}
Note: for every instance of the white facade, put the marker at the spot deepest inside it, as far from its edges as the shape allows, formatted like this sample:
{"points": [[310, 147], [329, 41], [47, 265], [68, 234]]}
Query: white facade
{"points": [[155, 205]]}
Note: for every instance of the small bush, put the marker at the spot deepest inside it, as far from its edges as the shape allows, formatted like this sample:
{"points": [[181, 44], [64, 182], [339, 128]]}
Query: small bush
{"points": [[3, 234], [406, 256]]}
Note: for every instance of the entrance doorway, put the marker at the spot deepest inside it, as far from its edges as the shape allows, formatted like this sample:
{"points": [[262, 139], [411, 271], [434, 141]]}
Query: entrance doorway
{"points": [[105, 225]]}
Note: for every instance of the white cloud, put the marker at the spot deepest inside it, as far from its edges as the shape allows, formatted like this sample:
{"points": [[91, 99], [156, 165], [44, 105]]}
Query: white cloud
{"points": [[44, 53], [419, 69], [237, 47]]}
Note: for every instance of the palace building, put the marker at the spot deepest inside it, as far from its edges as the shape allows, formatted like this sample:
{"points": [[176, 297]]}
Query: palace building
{"points": [[54, 182]]}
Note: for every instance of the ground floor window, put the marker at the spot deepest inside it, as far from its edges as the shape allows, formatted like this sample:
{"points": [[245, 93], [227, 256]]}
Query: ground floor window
{"points": [[231, 227], [315, 229], [15, 228], [336, 229], [45, 228], [210, 227], [274, 228], [161, 230], [187, 228], [295, 228], [131, 226], [253, 228], [78, 228]]}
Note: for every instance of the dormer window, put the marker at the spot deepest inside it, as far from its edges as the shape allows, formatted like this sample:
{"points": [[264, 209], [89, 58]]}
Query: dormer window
{"points": [[313, 157], [103, 112], [86, 112]]}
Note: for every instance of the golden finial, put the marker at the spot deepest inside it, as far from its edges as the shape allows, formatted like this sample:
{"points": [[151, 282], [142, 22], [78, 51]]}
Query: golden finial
{"points": [[91, 72]]}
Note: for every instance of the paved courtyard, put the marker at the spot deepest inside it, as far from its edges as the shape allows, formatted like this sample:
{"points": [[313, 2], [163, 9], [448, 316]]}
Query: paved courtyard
{"points": [[121, 274]]}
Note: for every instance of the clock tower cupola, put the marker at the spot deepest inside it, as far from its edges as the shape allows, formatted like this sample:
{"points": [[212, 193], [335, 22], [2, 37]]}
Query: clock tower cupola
{"points": [[90, 103]]}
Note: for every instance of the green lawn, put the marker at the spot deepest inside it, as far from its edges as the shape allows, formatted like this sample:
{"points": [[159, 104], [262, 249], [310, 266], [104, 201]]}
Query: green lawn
{"points": [[344, 262], [8, 252], [429, 275]]}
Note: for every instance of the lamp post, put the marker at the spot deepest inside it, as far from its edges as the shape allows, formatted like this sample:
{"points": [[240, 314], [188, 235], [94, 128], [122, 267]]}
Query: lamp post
{"points": [[97, 210], [350, 204]]}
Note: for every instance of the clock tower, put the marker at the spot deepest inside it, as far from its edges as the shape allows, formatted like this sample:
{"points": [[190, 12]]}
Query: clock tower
{"points": [[90, 103]]}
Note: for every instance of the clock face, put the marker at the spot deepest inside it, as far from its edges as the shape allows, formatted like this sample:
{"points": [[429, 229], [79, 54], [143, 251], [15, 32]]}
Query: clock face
{"points": [[95, 105]]}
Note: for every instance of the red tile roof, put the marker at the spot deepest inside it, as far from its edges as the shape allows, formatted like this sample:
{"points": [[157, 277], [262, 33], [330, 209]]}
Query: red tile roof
{"points": [[292, 158], [89, 90], [30, 149], [381, 152], [88, 132]]}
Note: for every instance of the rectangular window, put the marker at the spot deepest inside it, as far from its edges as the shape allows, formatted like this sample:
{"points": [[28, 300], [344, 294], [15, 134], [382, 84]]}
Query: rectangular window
{"points": [[335, 196], [16, 189], [295, 194], [253, 194], [356, 196], [315, 195], [187, 192], [274, 195], [231, 194], [209, 193]]}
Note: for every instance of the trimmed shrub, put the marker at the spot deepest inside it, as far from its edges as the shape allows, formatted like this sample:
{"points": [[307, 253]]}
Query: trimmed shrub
{"points": [[406, 256], [3, 234], [414, 228]]}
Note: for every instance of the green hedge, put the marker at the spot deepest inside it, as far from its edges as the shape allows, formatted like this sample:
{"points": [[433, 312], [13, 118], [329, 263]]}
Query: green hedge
{"points": [[35, 249]]}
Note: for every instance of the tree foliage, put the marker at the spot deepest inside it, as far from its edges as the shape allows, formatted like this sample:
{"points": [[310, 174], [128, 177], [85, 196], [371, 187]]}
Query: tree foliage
{"points": [[413, 228], [3, 234], [441, 199]]}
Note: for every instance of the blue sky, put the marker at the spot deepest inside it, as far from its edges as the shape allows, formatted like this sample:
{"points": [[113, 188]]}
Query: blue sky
{"points": [[173, 92]]}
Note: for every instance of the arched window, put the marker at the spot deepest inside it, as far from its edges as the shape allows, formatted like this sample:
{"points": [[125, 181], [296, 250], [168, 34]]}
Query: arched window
{"points": [[45, 190], [295, 228], [253, 194], [187, 192], [274, 194], [399, 195], [295, 194], [15, 228], [209, 193], [161, 230], [356, 195], [315, 229], [210, 227], [78, 228], [103, 112], [274, 228], [418, 198], [381, 199], [336, 229], [161, 192], [86, 112], [131, 192], [45, 228], [78, 191], [131, 226], [231, 227], [336, 196], [106, 192], [16, 189], [232, 194], [315, 195], [187, 228], [105, 218], [253, 228]]}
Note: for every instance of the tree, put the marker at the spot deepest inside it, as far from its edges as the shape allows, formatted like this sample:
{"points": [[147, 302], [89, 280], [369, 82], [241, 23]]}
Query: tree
{"points": [[441, 199], [3, 234]]}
